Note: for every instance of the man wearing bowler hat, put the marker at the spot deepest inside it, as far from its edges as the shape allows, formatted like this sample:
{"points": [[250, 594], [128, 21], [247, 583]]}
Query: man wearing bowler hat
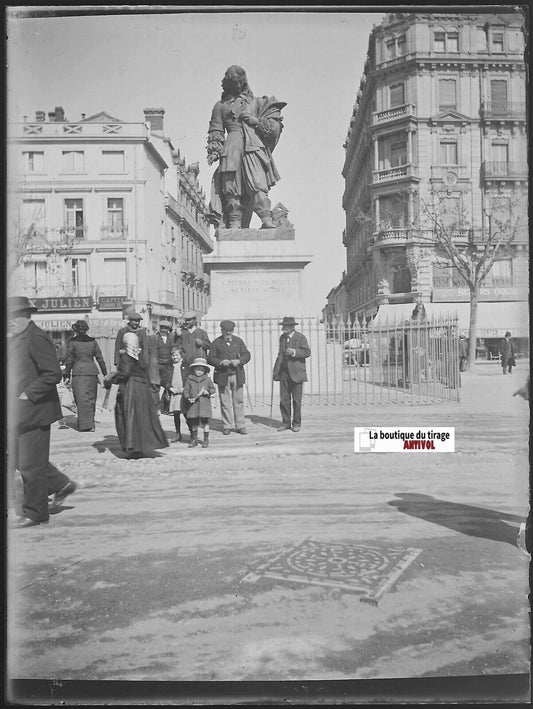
{"points": [[228, 355], [290, 372], [33, 375]]}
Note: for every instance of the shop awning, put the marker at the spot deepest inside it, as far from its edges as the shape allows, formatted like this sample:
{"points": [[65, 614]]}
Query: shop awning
{"points": [[493, 318]]}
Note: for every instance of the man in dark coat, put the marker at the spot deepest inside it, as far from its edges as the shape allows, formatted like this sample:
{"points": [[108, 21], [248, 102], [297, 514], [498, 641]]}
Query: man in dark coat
{"points": [[34, 405], [148, 347], [290, 372], [507, 352], [227, 355], [194, 342]]}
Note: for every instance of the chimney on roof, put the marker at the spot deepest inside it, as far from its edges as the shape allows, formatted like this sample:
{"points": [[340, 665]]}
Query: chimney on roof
{"points": [[51, 116], [154, 117], [39, 116], [83, 116], [59, 114]]}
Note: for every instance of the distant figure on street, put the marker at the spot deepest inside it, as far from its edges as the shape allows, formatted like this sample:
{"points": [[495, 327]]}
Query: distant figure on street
{"points": [[177, 404], [164, 340], [197, 392], [507, 354], [33, 405], [194, 340], [463, 353], [136, 417], [228, 355], [290, 372], [81, 370]]}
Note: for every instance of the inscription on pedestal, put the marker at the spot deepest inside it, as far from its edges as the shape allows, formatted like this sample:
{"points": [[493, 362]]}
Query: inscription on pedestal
{"points": [[281, 233]]}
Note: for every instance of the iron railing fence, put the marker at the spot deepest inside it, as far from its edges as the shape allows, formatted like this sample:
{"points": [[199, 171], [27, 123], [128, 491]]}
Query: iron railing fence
{"points": [[396, 362], [409, 363]]}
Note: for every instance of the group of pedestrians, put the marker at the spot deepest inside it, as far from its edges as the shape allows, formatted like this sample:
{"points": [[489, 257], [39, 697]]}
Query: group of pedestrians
{"points": [[162, 373], [175, 368]]}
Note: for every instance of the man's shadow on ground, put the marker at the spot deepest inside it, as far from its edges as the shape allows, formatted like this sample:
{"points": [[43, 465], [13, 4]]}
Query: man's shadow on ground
{"points": [[466, 519], [263, 421]]}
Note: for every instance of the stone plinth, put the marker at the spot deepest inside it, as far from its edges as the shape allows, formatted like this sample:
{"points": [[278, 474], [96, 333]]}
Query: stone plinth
{"points": [[282, 233], [255, 273]]}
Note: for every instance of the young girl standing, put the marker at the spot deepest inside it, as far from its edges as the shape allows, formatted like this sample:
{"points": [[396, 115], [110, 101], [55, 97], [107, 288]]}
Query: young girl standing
{"points": [[197, 392]]}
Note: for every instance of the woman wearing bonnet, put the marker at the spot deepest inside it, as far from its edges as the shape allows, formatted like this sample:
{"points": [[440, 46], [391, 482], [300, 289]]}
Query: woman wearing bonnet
{"points": [[136, 417]]}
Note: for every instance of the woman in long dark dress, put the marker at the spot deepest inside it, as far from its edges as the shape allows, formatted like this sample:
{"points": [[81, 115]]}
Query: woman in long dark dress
{"points": [[81, 370], [136, 417]]}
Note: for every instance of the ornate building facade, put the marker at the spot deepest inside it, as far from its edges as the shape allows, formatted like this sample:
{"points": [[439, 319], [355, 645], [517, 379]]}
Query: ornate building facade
{"points": [[440, 118], [105, 216]]}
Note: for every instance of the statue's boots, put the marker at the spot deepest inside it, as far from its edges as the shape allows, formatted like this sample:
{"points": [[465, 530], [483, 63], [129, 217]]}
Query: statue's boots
{"points": [[263, 210], [234, 212]]}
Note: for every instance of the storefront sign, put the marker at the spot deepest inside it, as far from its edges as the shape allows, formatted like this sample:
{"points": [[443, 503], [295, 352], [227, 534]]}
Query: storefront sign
{"points": [[445, 295], [111, 302], [54, 325], [47, 304]]}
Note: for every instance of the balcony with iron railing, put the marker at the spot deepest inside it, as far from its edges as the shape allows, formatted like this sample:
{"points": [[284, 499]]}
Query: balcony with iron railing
{"points": [[496, 170], [392, 114], [400, 172], [114, 232], [503, 109], [67, 129], [57, 291]]}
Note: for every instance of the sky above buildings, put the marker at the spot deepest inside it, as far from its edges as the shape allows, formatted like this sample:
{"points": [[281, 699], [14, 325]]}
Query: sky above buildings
{"points": [[122, 64]]}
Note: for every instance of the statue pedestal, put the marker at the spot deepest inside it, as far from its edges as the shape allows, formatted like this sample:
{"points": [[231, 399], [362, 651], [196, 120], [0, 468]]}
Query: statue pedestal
{"points": [[256, 273]]}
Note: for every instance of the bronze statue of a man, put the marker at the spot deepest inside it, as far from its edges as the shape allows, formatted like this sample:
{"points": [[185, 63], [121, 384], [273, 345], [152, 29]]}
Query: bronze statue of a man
{"points": [[243, 131]]}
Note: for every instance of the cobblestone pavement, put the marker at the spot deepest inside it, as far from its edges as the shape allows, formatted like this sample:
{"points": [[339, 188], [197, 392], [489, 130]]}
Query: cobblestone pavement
{"points": [[140, 574]]}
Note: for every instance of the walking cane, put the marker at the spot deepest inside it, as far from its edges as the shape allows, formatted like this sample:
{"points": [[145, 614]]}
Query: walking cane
{"points": [[248, 395], [271, 400]]}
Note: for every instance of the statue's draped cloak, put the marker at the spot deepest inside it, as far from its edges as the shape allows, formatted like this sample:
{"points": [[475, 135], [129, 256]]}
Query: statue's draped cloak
{"points": [[246, 165]]}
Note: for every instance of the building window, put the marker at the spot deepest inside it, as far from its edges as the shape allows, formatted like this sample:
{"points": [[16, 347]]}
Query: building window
{"points": [[501, 274], [33, 216], [448, 153], [73, 161], [447, 94], [33, 161], [441, 275], [113, 277], [397, 95], [113, 161], [115, 214], [446, 41], [391, 49], [78, 276], [500, 155], [35, 276], [498, 95], [74, 225], [392, 153], [452, 42], [439, 41], [496, 44], [393, 212], [400, 45]]}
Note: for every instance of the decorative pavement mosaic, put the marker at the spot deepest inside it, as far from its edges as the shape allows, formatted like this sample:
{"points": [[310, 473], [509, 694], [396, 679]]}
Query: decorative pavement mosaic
{"points": [[368, 570]]}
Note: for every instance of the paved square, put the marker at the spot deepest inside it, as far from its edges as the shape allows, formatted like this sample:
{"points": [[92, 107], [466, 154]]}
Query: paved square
{"points": [[368, 570]]}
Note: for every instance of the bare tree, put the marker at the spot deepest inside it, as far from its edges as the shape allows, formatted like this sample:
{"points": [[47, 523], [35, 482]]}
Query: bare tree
{"points": [[471, 249]]}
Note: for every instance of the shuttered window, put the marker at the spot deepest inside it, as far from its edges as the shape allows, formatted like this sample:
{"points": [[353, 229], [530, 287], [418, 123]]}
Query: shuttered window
{"points": [[397, 95], [447, 94]]}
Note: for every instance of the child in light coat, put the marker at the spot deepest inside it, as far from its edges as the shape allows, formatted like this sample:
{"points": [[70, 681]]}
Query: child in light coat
{"points": [[177, 404], [198, 391]]}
